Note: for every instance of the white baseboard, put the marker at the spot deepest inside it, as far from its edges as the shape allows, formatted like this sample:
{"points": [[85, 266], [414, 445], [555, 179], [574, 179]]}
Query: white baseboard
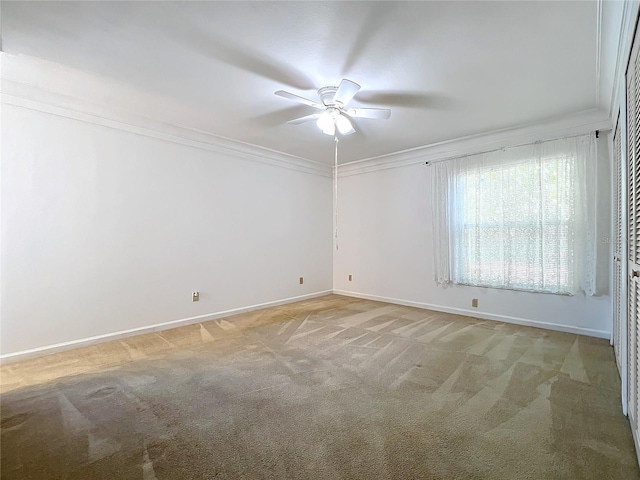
{"points": [[84, 342], [486, 316]]}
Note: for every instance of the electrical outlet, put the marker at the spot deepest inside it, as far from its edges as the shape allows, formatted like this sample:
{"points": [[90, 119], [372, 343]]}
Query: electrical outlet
{"points": [[474, 302], [350, 277], [301, 280], [195, 296]]}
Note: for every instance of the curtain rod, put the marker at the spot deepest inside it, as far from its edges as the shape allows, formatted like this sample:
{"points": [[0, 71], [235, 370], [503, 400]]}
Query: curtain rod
{"points": [[597, 132]]}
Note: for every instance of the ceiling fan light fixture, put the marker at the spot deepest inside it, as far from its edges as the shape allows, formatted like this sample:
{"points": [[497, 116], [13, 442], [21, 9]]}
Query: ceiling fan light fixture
{"points": [[344, 125], [331, 130], [326, 123]]}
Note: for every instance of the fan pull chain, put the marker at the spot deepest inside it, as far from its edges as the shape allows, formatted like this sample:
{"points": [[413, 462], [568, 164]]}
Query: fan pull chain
{"points": [[335, 193]]}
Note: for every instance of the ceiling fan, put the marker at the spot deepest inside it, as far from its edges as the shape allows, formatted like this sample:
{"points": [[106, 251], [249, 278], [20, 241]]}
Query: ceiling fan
{"points": [[333, 103]]}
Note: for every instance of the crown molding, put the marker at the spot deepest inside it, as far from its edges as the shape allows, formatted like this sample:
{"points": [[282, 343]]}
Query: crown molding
{"points": [[625, 42], [23, 95], [577, 124]]}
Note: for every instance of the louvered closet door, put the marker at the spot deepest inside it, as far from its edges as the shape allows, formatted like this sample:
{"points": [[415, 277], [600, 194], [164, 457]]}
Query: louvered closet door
{"points": [[633, 231], [618, 307], [634, 272]]}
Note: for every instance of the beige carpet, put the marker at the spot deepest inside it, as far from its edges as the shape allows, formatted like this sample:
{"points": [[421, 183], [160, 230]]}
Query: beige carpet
{"points": [[330, 388]]}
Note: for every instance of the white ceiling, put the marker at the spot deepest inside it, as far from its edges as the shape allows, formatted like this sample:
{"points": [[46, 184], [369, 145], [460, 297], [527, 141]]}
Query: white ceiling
{"points": [[446, 69]]}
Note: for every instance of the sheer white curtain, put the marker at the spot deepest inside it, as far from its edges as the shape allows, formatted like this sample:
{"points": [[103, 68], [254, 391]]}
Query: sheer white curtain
{"points": [[521, 218]]}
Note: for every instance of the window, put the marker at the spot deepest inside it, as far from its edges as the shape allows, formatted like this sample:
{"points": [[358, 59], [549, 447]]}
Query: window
{"points": [[516, 218], [514, 225]]}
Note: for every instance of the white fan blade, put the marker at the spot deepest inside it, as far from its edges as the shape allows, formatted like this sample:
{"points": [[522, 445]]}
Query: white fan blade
{"points": [[379, 113], [298, 98], [308, 118], [345, 92]]}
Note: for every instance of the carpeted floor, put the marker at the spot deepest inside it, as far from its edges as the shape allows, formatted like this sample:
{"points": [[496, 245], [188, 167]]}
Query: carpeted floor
{"points": [[329, 388]]}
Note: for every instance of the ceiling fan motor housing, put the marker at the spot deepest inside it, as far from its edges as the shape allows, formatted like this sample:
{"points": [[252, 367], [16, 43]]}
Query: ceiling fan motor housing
{"points": [[326, 95]]}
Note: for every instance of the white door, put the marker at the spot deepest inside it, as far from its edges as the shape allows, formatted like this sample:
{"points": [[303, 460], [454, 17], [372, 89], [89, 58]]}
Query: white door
{"points": [[618, 306], [633, 233]]}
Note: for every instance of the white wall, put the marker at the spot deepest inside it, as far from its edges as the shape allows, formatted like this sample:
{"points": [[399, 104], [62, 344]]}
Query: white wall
{"points": [[385, 241], [109, 221], [106, 230]]}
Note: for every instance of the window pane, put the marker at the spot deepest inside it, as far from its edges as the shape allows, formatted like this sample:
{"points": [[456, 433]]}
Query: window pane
{"points": [[512, 225]]}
